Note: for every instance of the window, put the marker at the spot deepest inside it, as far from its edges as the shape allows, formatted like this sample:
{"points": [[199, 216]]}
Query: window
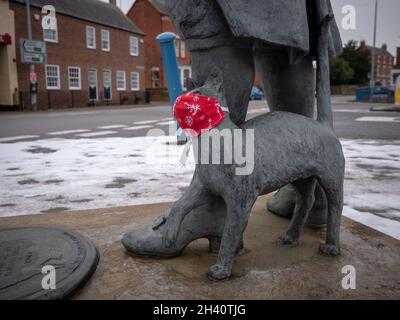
{"points": [[52, 77], [135, 81], [50, 35], [155, 77], [177, 47], [121, 80], [134, 46], [92, 79], [74, 78], [107, 85], [185, 73], [183, 49], [90, 37], [105, 40]]}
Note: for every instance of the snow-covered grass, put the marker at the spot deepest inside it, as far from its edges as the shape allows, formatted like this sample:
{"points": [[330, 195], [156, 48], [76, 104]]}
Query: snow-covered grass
{"points": [[65, 174]]}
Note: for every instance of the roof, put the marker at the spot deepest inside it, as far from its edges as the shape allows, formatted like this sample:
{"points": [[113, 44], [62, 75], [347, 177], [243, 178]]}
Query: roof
{"points": [[378, 51], [90, 10], [160, 5]]}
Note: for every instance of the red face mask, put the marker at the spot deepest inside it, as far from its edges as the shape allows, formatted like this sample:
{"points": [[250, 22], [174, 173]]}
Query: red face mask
{"points": [[196, 114]]}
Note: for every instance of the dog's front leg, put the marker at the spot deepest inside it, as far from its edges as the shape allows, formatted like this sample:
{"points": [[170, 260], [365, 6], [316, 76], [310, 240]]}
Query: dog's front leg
{"points": [[194, 196], [236, 222]]}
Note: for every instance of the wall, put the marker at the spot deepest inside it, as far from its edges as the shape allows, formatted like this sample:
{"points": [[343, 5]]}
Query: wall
{"points": [[8, 74], [148, 19], [71, 50]]}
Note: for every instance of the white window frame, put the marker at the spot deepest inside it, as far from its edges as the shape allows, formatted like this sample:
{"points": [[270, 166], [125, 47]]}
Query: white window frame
{"points": [[183, 49], [79, 78], [97, 82], [93, 29], [137, 88], [120, 72], [182, 74], [48, 39], [177, 47], [153, 80], [133, 40], [105, 39], [58, 87], [111, 88]]}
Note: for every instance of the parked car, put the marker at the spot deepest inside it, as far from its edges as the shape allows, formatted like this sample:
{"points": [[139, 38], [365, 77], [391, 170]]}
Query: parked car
{"points": [[380, 94], [256, 94]]}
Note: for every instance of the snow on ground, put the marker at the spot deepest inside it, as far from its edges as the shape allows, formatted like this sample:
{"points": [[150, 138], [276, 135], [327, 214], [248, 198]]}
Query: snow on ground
{"points": [[56, 175]]}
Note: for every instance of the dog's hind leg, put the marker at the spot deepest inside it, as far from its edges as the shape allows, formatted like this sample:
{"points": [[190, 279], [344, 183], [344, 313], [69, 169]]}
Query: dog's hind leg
{"points": [[305, 191], [334, 195]]}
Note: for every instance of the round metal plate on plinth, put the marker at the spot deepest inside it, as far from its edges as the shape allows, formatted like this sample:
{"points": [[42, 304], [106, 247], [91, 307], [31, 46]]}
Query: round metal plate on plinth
{"points": [[34, 259]]}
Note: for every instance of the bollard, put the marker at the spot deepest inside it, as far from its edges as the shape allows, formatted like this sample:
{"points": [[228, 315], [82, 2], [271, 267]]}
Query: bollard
{"points": [[171, 71]]}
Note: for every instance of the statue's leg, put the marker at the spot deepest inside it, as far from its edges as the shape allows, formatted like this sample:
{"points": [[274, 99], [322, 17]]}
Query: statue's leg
{"points": [[289, 87], [237, 66]]}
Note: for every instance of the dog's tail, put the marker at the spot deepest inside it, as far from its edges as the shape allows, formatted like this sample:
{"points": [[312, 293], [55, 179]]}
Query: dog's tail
{"points": [[324, 107]]}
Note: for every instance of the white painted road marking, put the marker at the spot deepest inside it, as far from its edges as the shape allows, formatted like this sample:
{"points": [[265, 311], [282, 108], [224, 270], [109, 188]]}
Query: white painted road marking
{"points": [[165, 119], [95, 134], [117, 126], [146, 122], [8, 139], [352, 110], [165, 123], [378, 119], [60, 133], [138, 128]]}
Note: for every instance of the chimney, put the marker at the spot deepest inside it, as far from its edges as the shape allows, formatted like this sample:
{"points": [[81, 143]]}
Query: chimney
{"points": [[362, 43], [384, 47], [113, 2]]}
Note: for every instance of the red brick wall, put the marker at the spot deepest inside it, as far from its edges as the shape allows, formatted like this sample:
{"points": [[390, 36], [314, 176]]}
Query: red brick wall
{"points": [[148, 20], [71, 51]]}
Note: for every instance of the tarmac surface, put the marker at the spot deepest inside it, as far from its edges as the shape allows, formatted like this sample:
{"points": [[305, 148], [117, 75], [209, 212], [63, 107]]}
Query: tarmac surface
{"points": [[265, 271]]}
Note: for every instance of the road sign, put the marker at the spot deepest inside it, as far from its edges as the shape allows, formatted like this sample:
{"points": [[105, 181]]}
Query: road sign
{"points": [[34, 46], [31, 57], [33, 51]]}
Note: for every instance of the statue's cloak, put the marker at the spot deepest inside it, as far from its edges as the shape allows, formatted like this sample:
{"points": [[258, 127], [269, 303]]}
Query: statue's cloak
{"points": [[291, 23]]}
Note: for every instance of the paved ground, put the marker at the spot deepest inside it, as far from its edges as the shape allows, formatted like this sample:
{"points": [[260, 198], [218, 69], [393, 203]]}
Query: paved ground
{"points": [[352, 121], [265, 271]]}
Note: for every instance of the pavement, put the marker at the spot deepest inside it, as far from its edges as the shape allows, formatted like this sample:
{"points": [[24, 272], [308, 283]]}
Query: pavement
{"points": [[265, 271]]}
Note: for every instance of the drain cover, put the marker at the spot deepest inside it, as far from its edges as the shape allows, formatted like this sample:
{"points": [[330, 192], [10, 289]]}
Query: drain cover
{"points": [[44, 263]]}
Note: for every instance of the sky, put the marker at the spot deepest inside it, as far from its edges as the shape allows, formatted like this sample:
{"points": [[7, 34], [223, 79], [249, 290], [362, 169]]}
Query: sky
{"points": [[388, 26]]}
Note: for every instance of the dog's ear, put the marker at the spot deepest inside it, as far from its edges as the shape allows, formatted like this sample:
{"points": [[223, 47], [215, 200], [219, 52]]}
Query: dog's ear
{"points": [[191, 84], [215, 77]]}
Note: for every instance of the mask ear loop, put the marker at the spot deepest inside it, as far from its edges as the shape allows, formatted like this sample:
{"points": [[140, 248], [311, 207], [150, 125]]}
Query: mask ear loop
{"points": [[186, 150]]}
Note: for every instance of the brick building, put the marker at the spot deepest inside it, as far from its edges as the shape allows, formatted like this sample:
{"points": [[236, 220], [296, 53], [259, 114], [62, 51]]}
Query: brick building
{"points": [[152, 17], [396, 68], [384, 62], [96, 55]]}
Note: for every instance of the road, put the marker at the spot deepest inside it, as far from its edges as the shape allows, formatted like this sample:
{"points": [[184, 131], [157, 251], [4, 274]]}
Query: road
{"points": [[351, 120]]}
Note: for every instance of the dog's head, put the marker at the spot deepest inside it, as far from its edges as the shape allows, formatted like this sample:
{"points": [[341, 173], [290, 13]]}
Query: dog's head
{"points": [[213, 86]]}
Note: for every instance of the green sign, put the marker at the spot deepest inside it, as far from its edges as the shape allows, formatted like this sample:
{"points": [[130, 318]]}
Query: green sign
{"points": [[33, 51]]}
